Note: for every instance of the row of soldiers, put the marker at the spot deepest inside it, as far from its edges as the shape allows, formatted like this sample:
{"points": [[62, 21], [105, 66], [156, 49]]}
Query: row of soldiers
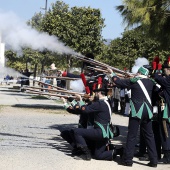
{"points": [[150, 87]]}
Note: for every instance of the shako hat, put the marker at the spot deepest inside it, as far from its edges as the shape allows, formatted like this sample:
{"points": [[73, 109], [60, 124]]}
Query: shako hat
{"points": [[166, 63], [143, 71], [100, 86]]}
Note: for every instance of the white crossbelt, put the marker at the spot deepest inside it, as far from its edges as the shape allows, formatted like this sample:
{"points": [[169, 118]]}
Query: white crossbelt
{"points": [[109, 109], [144, 90]]}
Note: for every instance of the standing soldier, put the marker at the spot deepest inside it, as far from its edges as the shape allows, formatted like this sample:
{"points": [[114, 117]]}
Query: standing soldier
{"points": [[141, 114], [27, 74], [164, 81]]}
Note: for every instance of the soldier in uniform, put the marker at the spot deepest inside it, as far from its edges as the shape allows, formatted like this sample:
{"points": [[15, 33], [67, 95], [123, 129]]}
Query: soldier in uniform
{"points": [[164, 81], [141, 114], [142, 154], [27, 74], [85, 121], [101, 132]]}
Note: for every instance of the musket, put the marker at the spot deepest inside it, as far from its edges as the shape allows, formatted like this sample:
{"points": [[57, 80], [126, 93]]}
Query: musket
{"points": [[165, 128], [163, 120], [62, 78], [105, 71], [98, 63], [59, 88], [50, 94], [53, 90], [47, 84], [33, 91]]}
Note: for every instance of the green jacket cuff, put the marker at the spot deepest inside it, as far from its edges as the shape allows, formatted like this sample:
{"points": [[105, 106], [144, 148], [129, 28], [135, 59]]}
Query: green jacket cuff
{"points": [[66, 105], [74, 102], [81, 103]]}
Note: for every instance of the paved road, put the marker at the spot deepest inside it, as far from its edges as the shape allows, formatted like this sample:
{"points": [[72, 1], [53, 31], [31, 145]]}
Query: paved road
{"points": [[11, 96], [29, 136]]}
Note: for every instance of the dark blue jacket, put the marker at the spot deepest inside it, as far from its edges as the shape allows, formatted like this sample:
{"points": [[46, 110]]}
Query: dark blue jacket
{"points": [[138, 99], [165, 85]]}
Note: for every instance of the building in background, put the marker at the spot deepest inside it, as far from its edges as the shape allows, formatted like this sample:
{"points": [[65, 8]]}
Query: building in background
{"points": [[2, 53]]}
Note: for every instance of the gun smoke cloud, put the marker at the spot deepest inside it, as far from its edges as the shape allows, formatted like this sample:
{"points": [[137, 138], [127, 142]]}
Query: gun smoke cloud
{"points": [[138, 63], [16, 34], [77, 86], [6, 70]]}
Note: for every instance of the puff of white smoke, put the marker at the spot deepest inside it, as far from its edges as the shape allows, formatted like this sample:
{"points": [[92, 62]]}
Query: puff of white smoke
{"points": [[77, 86], [8, 71], [16, 35], [138, 63]]}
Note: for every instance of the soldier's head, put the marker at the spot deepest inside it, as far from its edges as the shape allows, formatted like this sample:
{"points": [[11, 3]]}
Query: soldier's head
{"points": [[166, 66], [100, 91], [143, 71]]}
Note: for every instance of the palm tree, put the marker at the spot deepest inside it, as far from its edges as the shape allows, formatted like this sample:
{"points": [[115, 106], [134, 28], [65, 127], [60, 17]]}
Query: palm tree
{"points": [[151, 16]]}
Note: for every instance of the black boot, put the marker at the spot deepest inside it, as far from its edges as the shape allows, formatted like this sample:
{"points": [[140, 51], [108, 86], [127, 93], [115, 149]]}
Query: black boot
{"points": [[120, 152], [126, 163], [86, 155], [154, 165], [145, 157], [166, 159], [76, 151]]}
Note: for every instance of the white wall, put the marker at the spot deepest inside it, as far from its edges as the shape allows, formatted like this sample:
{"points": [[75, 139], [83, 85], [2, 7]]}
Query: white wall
{"points": [[2, 54]]}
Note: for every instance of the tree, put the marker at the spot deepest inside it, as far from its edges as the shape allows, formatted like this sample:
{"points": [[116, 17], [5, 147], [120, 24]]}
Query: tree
{"points": [[78, 28], [122, 52], [152, 17], [36, 21], [13, 61]]}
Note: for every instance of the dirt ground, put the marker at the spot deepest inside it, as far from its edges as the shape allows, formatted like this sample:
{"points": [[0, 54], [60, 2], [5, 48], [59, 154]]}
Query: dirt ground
{"points": [[30, 140]]}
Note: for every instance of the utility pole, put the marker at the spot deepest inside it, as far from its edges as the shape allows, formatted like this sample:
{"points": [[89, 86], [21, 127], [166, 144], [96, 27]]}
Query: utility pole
{"points": [[46, 2]]}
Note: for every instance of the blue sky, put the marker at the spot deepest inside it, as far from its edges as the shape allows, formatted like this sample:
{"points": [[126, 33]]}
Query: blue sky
{"points": [[25, 9]]}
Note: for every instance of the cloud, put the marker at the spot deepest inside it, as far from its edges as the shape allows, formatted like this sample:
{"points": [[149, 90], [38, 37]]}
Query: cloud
{"points": [[16, 34]]}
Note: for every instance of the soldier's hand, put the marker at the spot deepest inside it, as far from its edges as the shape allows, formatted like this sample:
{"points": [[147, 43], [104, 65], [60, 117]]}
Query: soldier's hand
{"points": [[78, 97], [70, 99], [64, 100], [109, 70]]}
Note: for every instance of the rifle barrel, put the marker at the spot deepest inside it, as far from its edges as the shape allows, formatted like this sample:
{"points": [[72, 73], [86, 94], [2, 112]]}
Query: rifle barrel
{"points": [[54, 90], [105, 66], [49, 94], [62, 78]]}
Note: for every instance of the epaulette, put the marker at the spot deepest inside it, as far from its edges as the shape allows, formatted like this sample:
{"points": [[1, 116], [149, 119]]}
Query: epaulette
{"points": [[135, 79]]}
